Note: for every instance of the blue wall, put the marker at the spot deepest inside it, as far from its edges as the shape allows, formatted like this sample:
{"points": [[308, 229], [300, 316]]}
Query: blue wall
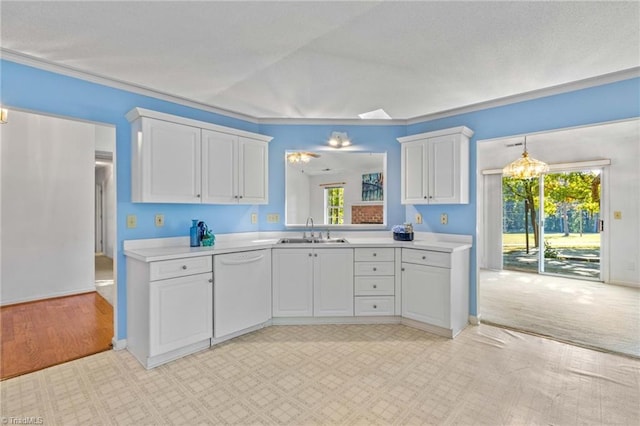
{"points": [[42, 91]]}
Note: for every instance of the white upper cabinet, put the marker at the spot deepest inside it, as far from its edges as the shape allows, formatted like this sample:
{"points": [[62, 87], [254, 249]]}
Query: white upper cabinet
{"points": [[435, 167], [179, 160]]}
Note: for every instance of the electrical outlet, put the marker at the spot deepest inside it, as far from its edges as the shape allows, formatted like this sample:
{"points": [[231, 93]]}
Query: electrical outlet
{"points": [[159, 220], [444, 218], [617, 215], [418, 218], [254, 218], [273, 218], [132, 221]]}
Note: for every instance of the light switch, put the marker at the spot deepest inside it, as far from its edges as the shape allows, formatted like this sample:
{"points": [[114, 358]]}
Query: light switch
{"points": [[132, 221], [273, 218], [418, 218]]}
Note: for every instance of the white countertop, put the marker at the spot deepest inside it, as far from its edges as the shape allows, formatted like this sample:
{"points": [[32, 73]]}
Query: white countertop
{"points": [[175, 248]]}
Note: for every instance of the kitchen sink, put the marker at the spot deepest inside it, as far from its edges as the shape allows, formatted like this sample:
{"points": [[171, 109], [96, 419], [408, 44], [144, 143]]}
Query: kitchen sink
{"points": [[312, 241]]}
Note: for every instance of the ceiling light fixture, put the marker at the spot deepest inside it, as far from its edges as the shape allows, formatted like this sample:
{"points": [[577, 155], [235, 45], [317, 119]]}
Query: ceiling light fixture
{"points": [[525, 167], [339, 140], [4, 116], [300, 157]]}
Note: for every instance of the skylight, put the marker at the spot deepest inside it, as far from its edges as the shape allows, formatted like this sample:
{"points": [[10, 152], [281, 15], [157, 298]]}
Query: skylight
{"points": [[378, 114]]}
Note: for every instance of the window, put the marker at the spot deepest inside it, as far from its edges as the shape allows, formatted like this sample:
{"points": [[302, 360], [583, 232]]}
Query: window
{"points": [[334, 205]]}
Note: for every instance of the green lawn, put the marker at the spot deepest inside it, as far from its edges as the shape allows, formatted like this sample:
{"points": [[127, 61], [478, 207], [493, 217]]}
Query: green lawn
{"points": [[555, 240]]}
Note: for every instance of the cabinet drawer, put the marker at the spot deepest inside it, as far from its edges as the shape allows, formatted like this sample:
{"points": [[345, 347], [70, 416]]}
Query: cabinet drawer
{"points": [[426, 257], [374, 268], [374, 254], [179, 267], [374, 305], [374, 286]]}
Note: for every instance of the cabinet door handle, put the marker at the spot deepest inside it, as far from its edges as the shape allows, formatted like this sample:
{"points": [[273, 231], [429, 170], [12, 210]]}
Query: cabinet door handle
{"points": [[210, 280], [197, 195], [430, 196], [424, 257], [375, 254], [184, 266], [309, 254], [375, 269], [375, 306], [375, 286], [241, 196], [402, 269], [315, 254], [425, 197]]}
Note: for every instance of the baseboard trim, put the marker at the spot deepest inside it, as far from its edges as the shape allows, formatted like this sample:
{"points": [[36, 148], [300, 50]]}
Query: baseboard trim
{"points": [[474, 320], [335, 320], [118, 345], [439, 331], [217, 340]]}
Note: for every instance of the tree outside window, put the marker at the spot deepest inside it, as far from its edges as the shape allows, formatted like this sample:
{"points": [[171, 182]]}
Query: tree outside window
{"points": [[334, 205]]}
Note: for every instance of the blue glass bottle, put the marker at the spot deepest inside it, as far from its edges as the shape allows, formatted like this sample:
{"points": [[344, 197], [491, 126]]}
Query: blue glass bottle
{"points": [[194, 234]]}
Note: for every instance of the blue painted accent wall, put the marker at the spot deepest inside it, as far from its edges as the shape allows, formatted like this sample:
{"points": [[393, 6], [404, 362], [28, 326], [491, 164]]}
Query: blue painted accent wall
{"points": [[41, 91]]}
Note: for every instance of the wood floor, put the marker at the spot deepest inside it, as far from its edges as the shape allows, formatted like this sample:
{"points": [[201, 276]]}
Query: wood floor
{"points": [[40, 334]]}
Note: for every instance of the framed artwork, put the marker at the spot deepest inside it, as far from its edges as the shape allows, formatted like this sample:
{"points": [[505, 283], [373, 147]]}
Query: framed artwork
{"points": [[372, 187]]}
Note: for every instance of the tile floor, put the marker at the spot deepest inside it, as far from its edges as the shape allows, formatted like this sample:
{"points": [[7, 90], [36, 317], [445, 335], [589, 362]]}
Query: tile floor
{"points": [[342, 374]]}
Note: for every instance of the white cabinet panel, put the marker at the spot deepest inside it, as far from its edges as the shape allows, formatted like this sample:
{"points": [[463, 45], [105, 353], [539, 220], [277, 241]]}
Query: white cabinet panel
{"points": [[167, 158], [374, 305], [218, 167], [333, 282], [425, 294], [435, 167], [375, 268], [374, 286], [292, 283], [179, 267], [374, 254], [180, 312], [253, 175]]}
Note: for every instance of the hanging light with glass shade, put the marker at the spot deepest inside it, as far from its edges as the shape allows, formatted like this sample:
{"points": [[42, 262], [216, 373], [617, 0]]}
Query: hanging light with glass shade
{"points": [[525, 167]]}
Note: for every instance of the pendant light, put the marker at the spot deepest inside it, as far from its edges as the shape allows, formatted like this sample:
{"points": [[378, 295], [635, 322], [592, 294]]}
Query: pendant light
{"points": [[525, 167]]}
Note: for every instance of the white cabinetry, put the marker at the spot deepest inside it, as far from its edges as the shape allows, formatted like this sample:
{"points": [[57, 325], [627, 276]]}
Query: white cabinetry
{"points": [[179, 160], [169, 308], [435, 289], [235, 169], [374, 281], [242, 292], [312, 282], [435, 167]]}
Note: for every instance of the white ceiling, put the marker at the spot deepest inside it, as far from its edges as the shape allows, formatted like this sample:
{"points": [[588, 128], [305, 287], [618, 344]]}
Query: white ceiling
{"points": [[331, 60]]}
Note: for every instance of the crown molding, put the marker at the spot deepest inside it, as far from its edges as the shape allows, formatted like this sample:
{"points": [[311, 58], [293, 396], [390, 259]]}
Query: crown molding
{"points": [[534, 94], [69, 71]]}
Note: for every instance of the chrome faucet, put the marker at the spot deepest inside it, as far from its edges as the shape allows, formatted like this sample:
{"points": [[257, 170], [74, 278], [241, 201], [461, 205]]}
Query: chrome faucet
{"points": [[306, 225]]}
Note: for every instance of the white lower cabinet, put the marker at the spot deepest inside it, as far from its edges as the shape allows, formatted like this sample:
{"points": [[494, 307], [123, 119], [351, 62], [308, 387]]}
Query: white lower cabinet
{"points": [[312, 282], [179, 313], [435, 289], [425, 291], [169, 308]]}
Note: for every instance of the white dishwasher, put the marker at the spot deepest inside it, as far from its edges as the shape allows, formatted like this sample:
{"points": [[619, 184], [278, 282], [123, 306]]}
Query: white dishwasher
{"points": [[241, 291]]}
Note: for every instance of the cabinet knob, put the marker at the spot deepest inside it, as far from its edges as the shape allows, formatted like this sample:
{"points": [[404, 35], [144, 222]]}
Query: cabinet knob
{"points": [[402, 269], [430, 196], [424, 257], [375, 269], [425, 197], [375, 286], [241, 196], [197, 195], [309, 254], [210, 280], [375, 306], [315, 254], [375, 254], [184, 266]]}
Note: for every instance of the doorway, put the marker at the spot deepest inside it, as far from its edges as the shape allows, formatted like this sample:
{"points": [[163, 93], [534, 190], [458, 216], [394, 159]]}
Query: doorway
{"points": [[552, 225]]}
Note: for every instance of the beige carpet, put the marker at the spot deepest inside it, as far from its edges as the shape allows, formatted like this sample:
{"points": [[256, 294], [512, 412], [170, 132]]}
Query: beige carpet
{"points": [[342, 374], [104, 278], [585, 312]]}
